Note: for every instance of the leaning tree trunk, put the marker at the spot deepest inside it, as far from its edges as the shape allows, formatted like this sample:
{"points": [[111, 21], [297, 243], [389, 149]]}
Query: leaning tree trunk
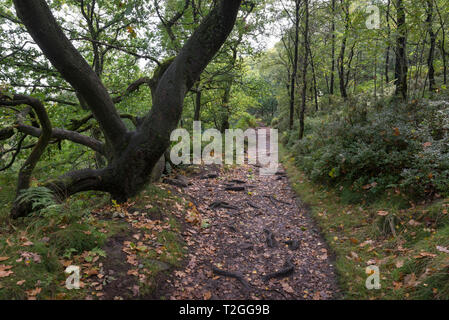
{"points": [[134, 154]]}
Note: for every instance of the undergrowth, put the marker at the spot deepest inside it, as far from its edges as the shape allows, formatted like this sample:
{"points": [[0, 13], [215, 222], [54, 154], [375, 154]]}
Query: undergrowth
{"points": [[409, 243]]}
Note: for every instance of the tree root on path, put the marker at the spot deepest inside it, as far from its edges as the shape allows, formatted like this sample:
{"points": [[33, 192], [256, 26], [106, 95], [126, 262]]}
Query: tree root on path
{"points": [[292, 244], [286, 271], [175, 182], [252, 205], [271, 241], [237, 181], [222, 205], [235, 188], [274, 200], [209, 176], [235, 275]]}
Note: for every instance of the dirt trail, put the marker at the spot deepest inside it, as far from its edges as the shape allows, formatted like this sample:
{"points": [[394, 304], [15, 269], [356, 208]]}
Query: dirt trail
{"points": [[260, 244]]}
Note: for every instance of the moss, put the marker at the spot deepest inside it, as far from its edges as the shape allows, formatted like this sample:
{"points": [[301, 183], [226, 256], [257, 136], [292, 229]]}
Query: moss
{"points": [[160, 70]]}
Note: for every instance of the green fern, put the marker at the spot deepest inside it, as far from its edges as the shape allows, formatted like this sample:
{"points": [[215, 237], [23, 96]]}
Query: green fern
{"points": [[39, 197]]}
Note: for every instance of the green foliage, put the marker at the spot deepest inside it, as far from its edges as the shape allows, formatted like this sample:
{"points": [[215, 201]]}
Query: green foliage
{"points": [[408, 243], [246, 121], [373, 148], [40, 197]]}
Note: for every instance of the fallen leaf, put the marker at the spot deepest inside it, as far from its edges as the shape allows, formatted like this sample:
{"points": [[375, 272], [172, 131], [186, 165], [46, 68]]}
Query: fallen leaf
{"points": [[425, 255], [207, 295], [317, 296], [367, 242], [410, 281], [91, 272], [399, 263], [442, 249], [33, 293], [133, 272], [4, 267], [414, 223], [4, 274], [371, 262], [397, 133], [287, 288], [397, 285]]}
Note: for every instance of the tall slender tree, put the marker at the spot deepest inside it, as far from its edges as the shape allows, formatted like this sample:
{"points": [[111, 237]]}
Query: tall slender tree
{"points": [[304, 70], [432, 38]]}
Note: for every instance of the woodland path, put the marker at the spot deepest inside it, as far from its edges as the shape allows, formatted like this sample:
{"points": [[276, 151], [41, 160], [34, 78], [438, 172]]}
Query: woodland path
{"points": [[260, 232]]}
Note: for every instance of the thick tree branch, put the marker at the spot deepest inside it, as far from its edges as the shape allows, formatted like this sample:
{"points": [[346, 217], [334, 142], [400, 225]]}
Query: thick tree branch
{"points": [[133, 87], [62, 134]]}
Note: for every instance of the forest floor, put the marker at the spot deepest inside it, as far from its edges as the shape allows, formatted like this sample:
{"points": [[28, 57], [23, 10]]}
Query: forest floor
{"points": [[256, 243], [256, 240]]}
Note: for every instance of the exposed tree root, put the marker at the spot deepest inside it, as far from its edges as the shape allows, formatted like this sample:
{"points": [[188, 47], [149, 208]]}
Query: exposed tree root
{"points": [[271, 241], [222, 205], [286, 271], [235, 275]]}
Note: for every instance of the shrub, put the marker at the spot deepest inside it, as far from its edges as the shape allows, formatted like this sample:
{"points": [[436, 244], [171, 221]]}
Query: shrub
{"points": [[246, 121], [373, 147]]}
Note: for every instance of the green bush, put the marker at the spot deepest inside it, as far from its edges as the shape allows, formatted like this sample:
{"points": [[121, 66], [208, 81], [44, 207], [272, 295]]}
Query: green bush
{"points": [[373, 147], [246, 121]]}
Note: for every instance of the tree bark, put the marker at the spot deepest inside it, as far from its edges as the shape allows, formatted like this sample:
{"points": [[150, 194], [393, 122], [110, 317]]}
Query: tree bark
{"points": [[304, 70], [198, 94], [341, 58], [432, 36], [401, 68], [332, 81], [387, 51], [315, 86], [295, 65]]}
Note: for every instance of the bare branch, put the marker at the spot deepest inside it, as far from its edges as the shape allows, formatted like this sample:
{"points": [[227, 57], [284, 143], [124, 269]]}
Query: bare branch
{"points": [[44, 136]]}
